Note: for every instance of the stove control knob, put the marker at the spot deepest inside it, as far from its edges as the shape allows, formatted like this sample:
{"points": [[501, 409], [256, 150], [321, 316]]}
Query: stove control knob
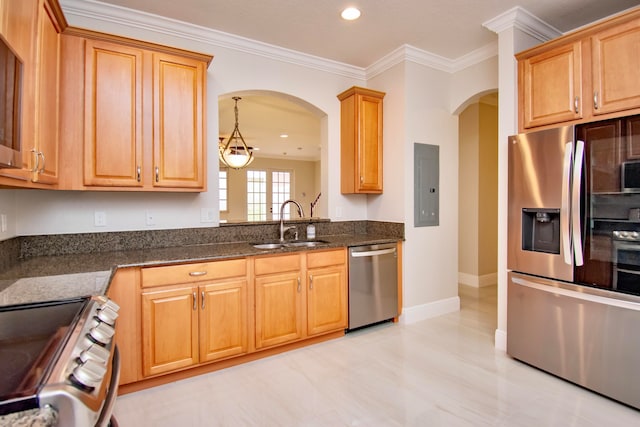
{"points": [[89, 374], [106, 302], [102, 333], [107, 315], [96, 353], [634, 235]]}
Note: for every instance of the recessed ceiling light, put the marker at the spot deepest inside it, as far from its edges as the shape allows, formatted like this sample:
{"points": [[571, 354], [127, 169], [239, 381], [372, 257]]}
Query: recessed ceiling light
{"points": [[284, 135], [350, 14]]}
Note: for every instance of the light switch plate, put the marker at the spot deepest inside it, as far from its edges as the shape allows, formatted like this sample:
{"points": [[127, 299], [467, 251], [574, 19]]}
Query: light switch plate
{"points": [[100, 219], [207, 215]]}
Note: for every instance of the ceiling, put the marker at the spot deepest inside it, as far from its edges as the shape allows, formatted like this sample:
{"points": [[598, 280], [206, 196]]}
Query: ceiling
{"points": [[446, 28]]}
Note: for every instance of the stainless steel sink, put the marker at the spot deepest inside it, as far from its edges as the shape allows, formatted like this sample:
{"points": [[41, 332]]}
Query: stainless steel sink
{"points": [[289, 244], [305, 243], [267, 245]]}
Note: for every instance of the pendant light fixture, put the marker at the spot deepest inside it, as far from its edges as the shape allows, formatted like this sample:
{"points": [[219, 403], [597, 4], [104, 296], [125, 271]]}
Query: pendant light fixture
{"points": [[235, 153]]}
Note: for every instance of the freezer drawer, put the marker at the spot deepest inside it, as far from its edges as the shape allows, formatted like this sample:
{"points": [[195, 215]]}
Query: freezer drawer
{"points": [[373, 284], [585, 335]]}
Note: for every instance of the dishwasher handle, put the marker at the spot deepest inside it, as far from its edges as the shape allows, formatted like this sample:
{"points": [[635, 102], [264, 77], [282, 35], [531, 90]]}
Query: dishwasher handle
{"points": [[373, 253]]}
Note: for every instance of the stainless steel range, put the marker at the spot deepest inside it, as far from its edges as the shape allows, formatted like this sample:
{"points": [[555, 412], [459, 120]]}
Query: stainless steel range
{"points": [[59, 357]]}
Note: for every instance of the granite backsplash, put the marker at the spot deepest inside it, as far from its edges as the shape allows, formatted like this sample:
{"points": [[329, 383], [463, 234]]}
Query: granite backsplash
{"points": [[25, 247]]}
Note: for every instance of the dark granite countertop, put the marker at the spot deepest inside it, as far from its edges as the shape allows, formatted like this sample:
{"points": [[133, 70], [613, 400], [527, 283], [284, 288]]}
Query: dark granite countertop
{"points": [[66, 276]]}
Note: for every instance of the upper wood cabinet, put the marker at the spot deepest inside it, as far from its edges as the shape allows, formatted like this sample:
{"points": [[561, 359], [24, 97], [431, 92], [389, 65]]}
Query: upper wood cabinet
{"points": [[616, 68], [32, 29], [361, 141], [113, 94], [586, 74], [552, 86], [143, 107]]}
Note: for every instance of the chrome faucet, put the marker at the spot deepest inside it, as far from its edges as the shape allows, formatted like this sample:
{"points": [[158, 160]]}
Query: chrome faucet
{"points": [[300, 212]]}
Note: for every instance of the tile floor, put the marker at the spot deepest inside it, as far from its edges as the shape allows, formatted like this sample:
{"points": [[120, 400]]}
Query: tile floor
{"points": [[440, 372]]}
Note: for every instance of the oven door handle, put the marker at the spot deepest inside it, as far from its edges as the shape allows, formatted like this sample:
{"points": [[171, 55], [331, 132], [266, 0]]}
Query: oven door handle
{"points": [[105, 417]]}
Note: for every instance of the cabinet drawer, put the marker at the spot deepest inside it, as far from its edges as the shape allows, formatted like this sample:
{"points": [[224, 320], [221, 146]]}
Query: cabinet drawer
{"points": [[324, 258], [277, 264], [188, 273]]}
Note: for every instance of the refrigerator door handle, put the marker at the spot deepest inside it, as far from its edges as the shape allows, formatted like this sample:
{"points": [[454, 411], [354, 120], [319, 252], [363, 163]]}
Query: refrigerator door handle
{"points": [[565, 207], [575, 203]]}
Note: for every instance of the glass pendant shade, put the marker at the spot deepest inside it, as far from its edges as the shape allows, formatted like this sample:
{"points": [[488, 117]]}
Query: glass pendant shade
{"points": [[235, 153]]}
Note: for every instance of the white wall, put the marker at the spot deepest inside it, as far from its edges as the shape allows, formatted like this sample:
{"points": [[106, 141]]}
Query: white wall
{"points": [[8, 210]]}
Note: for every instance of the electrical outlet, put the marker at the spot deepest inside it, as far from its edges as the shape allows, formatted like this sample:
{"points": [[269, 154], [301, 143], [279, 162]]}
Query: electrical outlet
{"points": [[339, 212], [3, 223], [151, 218], [206, 215], [100, 219]]}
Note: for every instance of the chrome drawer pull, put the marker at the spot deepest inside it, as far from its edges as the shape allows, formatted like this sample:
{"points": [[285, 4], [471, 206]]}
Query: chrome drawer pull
{"points": [[197, 273]]}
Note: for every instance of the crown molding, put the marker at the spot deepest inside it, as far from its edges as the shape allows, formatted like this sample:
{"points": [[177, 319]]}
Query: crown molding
{"points": [[97, 11], [418, 56], [524, 21], [81, 10]]}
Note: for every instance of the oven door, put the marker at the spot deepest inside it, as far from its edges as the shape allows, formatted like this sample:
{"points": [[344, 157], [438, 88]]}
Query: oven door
{"points": [[106, 417], [626, 266]]}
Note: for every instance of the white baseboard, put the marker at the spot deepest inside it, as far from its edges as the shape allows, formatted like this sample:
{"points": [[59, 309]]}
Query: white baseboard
{"points": [[478, 281], [429, 310], [500, 340]]}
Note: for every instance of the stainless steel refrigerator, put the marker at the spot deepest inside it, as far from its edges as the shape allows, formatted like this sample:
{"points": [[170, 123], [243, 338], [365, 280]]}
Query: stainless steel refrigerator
{"points": [[574, 254]]}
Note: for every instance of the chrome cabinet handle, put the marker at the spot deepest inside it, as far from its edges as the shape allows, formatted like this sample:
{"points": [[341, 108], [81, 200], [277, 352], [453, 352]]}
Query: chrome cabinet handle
{"points": [[311, 282], [202, 297], [361, 179], [576, 100], [299, 286], [595, 100], [37, 161], [157, 174], [197, 273], [138, 173], [195, 301]]}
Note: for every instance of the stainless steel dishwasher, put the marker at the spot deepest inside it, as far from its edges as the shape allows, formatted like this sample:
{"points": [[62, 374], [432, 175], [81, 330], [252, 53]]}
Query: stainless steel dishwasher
{"points": [[373, 284]]}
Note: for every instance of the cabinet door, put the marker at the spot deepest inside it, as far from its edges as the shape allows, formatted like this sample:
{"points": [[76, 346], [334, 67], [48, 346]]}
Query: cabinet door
{"points": [[113, 115], [326, 299], [169, 329], [178, 138], [370, 145], [551, 86], [616, 61], [47, 96], [223, 319], [278, 309]]}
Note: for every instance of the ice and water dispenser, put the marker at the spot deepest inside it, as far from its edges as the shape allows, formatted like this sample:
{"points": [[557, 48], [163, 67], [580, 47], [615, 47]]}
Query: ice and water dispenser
{"points": [[541, 230]]}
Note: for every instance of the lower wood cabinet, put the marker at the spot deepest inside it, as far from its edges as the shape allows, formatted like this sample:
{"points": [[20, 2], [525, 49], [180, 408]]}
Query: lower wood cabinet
{"points": [[178, 317], [201, 320], [300, 295]]}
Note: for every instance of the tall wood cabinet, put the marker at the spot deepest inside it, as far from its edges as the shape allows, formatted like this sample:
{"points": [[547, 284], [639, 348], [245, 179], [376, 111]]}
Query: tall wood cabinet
{"points": [[586, 75], [361, 141], [144, 114]]}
